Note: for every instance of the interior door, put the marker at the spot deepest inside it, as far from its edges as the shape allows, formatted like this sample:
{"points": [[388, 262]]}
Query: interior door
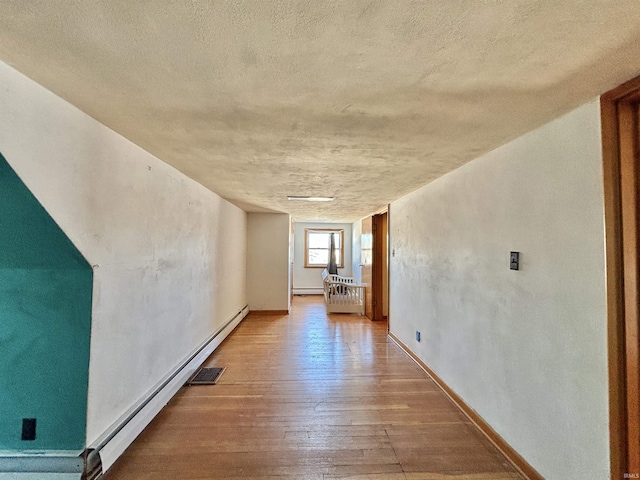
{"points": [[366, 264]]}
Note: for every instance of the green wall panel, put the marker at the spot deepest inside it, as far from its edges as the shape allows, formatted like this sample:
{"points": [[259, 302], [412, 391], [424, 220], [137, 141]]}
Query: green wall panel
{"points": [[45, 324]]}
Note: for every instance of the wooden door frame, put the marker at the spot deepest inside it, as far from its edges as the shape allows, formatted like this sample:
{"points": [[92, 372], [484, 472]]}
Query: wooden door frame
{"points": [[620, 170], [377, 292], [374, 293]]}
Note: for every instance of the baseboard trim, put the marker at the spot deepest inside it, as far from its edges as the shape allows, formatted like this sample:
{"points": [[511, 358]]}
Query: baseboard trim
{"points": [[519, 463], [270, 312], [103, 453]]}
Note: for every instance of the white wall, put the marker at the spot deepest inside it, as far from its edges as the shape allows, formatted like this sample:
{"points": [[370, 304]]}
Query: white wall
{"points": [[309, 280], [525, 349], [169, 256], [268, 261]]}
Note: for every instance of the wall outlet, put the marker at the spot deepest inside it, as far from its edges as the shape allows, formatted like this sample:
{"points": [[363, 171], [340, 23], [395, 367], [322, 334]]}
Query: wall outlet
{"points": [[28, 429], [417, 336]]}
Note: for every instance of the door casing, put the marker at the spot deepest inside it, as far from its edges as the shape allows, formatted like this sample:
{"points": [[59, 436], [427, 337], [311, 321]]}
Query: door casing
{"points": [[620, 112], [374, 257]]}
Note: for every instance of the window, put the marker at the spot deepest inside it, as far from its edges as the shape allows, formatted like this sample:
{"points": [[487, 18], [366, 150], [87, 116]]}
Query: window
{"points": [[316, 247]]}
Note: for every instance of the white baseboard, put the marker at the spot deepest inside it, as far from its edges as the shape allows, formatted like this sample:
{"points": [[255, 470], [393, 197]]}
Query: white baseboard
{"points": [[122, 434]]}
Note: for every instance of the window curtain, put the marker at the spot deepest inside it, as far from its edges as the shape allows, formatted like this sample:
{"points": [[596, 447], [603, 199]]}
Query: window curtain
{"points": [[332, 266]]}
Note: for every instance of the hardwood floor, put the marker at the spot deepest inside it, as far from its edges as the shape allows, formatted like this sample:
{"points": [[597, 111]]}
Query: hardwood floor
{"points": [[306, 396]]}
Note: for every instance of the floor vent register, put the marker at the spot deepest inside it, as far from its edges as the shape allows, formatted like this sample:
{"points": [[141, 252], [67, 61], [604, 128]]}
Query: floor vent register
{"points": [[206, 376]]}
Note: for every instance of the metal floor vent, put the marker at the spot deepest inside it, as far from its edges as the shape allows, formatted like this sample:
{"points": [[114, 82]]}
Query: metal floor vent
{"points": [[206, 376]]}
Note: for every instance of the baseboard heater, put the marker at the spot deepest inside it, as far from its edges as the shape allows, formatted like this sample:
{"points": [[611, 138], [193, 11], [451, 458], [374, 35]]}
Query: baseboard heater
{"points": [[308, 291], [52, 465], [105, 451]]}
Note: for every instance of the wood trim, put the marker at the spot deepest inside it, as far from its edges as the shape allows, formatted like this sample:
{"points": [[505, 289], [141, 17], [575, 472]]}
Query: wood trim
{"points": [[628, 134], [269, 312], [632, 329], [620, 153], [627, 89], [306, 245], [615, 297], [388, 268], [518, 462], [381, 210]]}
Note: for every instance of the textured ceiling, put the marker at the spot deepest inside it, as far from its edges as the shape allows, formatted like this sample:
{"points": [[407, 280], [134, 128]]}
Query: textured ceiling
{"points": [[361, 100]]}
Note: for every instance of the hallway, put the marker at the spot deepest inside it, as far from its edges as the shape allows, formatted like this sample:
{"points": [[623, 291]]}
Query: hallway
{"points": [[306, 396]]}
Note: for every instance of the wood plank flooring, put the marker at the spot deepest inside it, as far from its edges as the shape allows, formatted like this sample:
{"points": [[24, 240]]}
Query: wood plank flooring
{"points": [[311, 396]]}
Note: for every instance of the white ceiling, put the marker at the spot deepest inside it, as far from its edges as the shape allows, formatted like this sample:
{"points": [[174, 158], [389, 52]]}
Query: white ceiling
{"points": [[361, 100]]}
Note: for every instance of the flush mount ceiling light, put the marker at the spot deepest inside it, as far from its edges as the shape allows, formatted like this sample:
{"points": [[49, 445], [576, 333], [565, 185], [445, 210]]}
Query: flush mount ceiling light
{"points": [[310, 199]]}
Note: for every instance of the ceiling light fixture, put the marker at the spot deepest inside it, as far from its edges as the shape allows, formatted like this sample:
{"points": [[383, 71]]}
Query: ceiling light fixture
{"points": [[310, 199]]}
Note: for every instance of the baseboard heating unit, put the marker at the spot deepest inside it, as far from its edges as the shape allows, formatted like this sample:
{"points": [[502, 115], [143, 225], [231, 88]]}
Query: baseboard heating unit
{"points": [[54, 465], [106, 450]]}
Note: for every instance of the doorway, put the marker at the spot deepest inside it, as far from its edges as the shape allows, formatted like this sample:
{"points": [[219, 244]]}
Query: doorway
{"points": [[375, 265], [620, 110]]}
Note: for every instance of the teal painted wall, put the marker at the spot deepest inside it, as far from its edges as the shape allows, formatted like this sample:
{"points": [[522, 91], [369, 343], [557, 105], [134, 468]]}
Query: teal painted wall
{"points": [[45, 324]]}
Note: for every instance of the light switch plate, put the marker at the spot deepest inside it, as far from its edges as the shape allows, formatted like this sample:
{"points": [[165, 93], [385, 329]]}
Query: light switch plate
{"points": [[514, 261]]}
